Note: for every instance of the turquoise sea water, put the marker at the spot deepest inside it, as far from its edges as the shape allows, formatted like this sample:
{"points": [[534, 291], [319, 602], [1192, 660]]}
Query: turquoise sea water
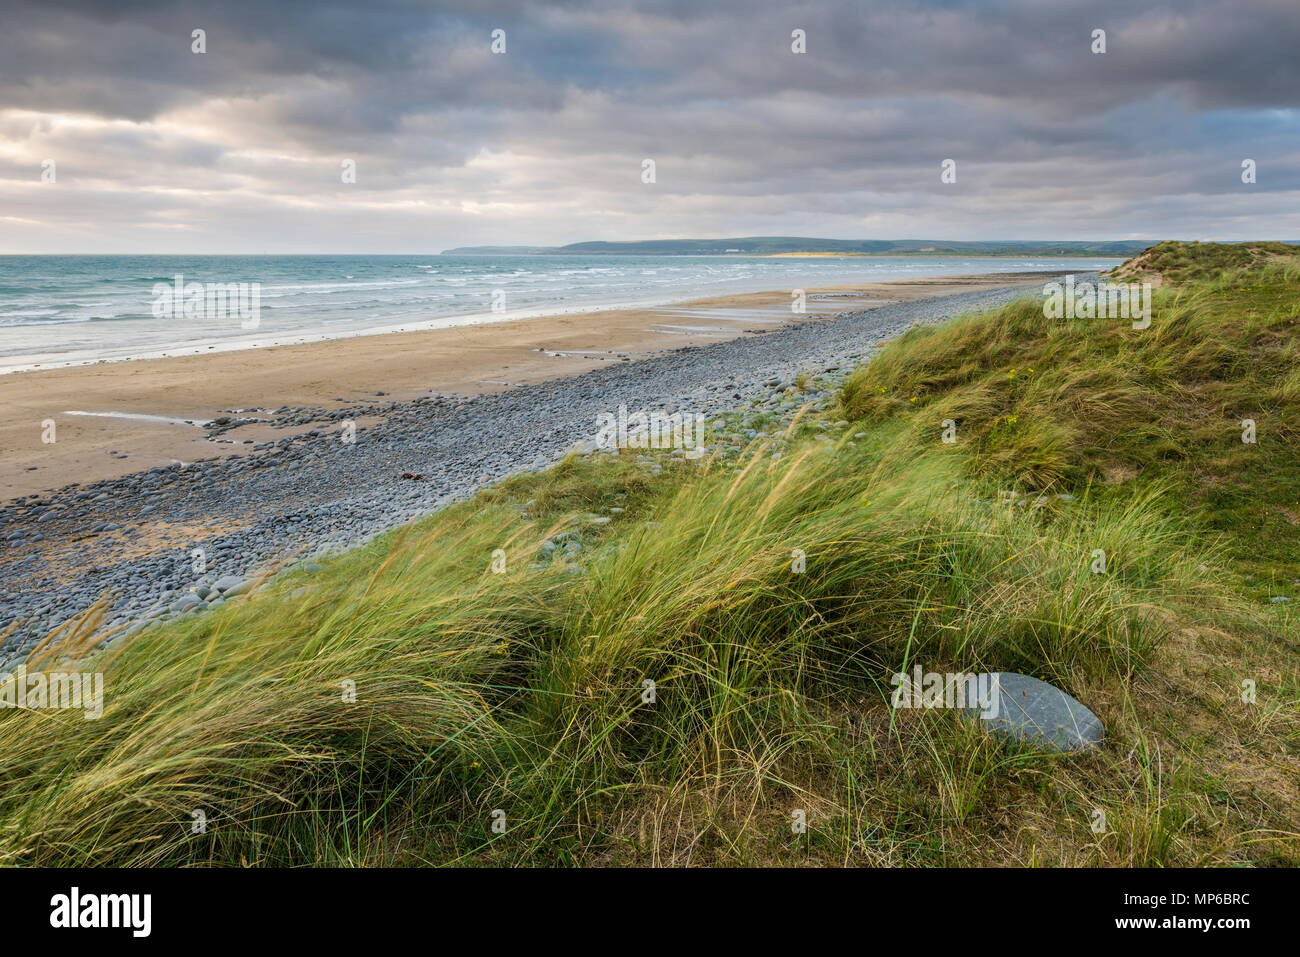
{"points": [[59, 310]]}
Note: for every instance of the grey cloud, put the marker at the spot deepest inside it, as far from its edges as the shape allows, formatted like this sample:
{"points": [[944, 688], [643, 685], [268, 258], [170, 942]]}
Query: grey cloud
{"points": [[455, 145]]}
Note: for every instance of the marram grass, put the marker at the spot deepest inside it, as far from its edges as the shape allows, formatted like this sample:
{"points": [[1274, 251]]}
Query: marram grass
{"points": [[674, 685]]}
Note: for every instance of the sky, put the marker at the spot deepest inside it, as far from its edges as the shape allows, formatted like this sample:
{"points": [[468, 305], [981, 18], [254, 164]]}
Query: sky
{"points": [[243, 148]]}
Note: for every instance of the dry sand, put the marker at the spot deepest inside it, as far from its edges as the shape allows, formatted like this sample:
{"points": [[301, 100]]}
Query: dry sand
{"points": [[462, 360]]}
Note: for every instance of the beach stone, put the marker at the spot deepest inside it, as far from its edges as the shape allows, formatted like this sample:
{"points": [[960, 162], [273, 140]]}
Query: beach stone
{"points": [[567, 542], [226, 582], [1037, 713]]}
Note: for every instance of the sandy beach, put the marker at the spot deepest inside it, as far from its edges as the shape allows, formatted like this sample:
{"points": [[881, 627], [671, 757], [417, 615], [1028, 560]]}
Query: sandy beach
{"points": [[466, 360], [437, 415]]}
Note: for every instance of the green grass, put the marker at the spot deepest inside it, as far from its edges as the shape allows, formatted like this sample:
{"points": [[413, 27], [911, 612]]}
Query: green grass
{"points": [[1096, 403], [1185, 262], [523, 692]]}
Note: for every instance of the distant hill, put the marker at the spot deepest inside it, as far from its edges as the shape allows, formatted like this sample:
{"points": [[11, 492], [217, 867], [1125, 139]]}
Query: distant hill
{"points": [[788, 245]]}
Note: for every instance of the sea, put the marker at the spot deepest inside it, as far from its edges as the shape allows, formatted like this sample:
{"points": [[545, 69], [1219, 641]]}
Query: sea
{"points": [[73, 310]]}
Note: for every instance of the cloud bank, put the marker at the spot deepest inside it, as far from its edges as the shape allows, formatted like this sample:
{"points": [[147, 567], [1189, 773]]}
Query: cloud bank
{"points": [[241, 148]]}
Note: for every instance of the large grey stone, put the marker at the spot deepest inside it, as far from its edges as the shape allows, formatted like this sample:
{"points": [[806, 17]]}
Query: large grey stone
{"points": [[1036, 713], [238, 589]]}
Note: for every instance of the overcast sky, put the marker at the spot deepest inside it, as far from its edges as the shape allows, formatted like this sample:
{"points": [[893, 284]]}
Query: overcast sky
{"points": [[240, 149]]}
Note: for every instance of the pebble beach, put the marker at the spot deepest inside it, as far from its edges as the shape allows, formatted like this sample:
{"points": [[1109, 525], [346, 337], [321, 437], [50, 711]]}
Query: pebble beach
{"points": [[180, 538]]}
